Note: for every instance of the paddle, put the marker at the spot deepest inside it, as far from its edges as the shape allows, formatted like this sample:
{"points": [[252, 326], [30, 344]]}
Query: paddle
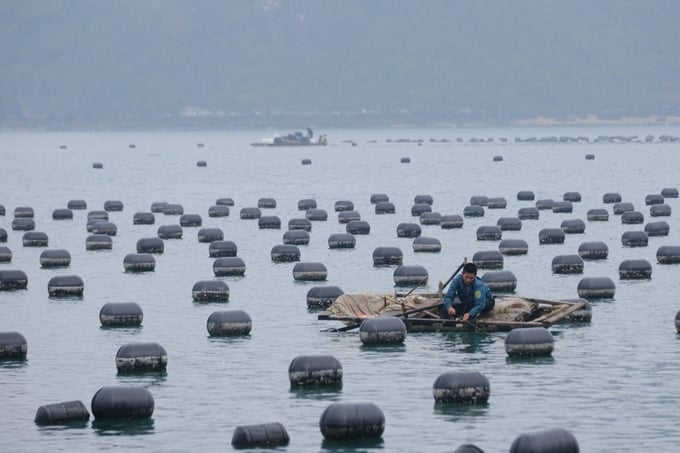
{"points": [[445, 284]]}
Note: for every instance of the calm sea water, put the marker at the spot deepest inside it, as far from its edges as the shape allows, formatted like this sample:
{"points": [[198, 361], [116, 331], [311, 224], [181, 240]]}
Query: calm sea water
{"points": [[612, 383]]}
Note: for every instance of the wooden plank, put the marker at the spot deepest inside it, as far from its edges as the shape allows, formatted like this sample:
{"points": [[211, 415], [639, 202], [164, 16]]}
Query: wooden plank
{"points": [[564, 313], [547, 301]]}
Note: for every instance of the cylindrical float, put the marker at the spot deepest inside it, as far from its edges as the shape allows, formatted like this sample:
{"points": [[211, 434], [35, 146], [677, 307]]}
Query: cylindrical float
{"points": [[5, 255], [425, 199], [229, 323], [343, 205], [61, 413], [473, 211], [296, 237], [143, 218], [562, 207], [34, 239], [555, 440], [315, 370], [121, 314], [653, 199], [567, 264], [596, 288], [385, 207], [573, 226], [528, 213], [358, 227], [594, 250], [300, 224], [509, 224], [659, 228], [108, 228], [500, 281], [525, 195], [409, 275], [98, 242], [426, 244], [496, 203], [489, 233], [513, 247], [158, 206], [669, 192], [420, 208], [113, 205], [341, 241], [316, 214], [660, 210], [11, 279], [269, 222], [139, 262], [227, 201], [173, 209], [635, 269], [62, 214], [310, 272], [190, 220], [322, 296], [170, 232], [479, 200], [387, 256], [621, 207], [408, 230], [55, 258], [150, 245], [634, 239], [219, 249], [266, 203], [611, 197], [141, 357], [250, 213], [122, 403], [13, 346], [218, 211], [597, 215], [463, 387], [632, 218], [210, 291], [23, 224], [65, 286], [452, 221], [551, 236], [379, 198], [267, 435], [77, 204], [24, 212], [544, 204], [573, 197], [306, 203], [348, 216], [382, 330], [430, 218], [207, 235], [668, 254], [285, 253], [488, 259], [529, 341], [229, 266], [345, 421]]}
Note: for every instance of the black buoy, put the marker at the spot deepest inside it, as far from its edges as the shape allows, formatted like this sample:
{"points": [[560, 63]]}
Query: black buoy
{"points": [[488, 259], [139, 262], [300, 224], [387, 256], [3, 235], [6, 255], [210, 291], [379, 198], [107, 228], [611, 197], [121, 314], [34, 239], [653, 199], [408, 230], [285, 253], [310, 272], [322, 296], [544, 204], [269, 222], [113, 205], [358, 227], [296, 237], [97, 165], [143, 218], [500, 281], [266, 203], [65, 286], [225, 201], [55, 258], [597, 215], [170, 232], [621, 207], [307, 370], [341, 241], [141, 357], [98, 215], [528, 213], [218, 211], [659, 228], [489, 233], [346, 421], [98, 242], [430, 218], [23, 224], [316, 214], [13, 346], [122, 403], [509, 224], [573, 197], [385, 207], [634, 239], [348, 216], [77, 204], [229, 266], [427, 244], [635, 269], [668, 254], [496, 203], [405, 160], [479, 200], [669, 192], [306, 161], [590, 156], [632, 218], [567, 264], [555, 440], [595, 250], [584, 314], [473, 211], [343, 205], [529, 341], [250, 213], [229, 323], [409, 275], [201, 163], [61, 413], [513, 247], [173, 209], [498, 158], [62, 214], [218, 249], [267, 435], [660, 210], [573, 226], [463, 387], [150, 245], [420, 208], [24, 212], [562, 207], [207, 235], [13, 279], [426, 199], [158, 206], [190, 220], [596, 288], [382, 330], [525, 195], [551, 236], [306, 203], [452, 221]]}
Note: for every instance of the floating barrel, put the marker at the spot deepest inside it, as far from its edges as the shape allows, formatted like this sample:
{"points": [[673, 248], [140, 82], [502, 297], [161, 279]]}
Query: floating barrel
{"points": [[201, 163], [595, 250], [113, 205], [224, 201], [669, 192], [141, 357], [62, 214], [315, 370], [611, 197], [556, 440], [267, 203], [55, 258], [379, 198], [210, 291], [322, 296], [634, 239], [210, 235], [668, 254], [408, 230], [424, 199], [220, 249], [409, 275], [513, 247], [479, 200], [34, 239], [635, 269], [348, 216], [173, 209], [170, 232], [300, 224], [544, 204], [229, 323], [573, 226], [500, 281], [285, 253], [306, 161], [509, 224], [121, 314], [385, 207], [97, 165], [632, 217], [653, 199], [660, 210], [158, 206], [24, 212], [341, 241], [451, 221], [122, 402], [139, 262], [529, 341], [296, 237], [98, 215], [316, 214], [572, 197], [528, 213], [620, 208], [269, 222], [306, 203], [405, 160], [498, 158], [584, 314], [190, 220], [590, 156], [562, 207], [218, 211], [5, 255], [677, 322], [382, 330], [98, 242], [65, 286], [525, 195], [567, 264], [108, 228], [13, 279], [343, 205], [473, 211], [23, 224], [489, 233], [150, 245], [420, 208], [13, 345], [250, 213], [229, 266], [551, 236], [386, 256], [426, 244], [61, 413], [358, 227], [596, 288], [597, 215], [462, 387], [659, 228], [91, 223], [310, 272], [496, 203], [3, 235], [2, 210], [77, 204], [267, 435], [143, 218], [344, 421], [488, 259], [468, 448], [430, 218]]}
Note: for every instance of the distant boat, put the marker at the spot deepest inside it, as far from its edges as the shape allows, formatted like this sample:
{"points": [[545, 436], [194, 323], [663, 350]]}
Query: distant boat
{"points": [[293, 139]]}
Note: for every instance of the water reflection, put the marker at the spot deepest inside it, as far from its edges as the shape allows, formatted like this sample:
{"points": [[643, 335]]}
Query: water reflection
{"points": [[123, 427], [57, 428], [144, 379], [470, 342], [330, 392], [13, 363], [353, 445], [530, 360], [456, 412]]}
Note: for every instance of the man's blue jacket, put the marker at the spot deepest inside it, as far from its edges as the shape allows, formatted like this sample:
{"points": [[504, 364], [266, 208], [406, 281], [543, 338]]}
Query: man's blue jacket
{"points": [[477, 294]]}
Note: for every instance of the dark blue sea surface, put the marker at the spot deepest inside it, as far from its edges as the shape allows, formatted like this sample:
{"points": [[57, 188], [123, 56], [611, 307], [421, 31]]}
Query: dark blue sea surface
{"points": [[613, 382]]}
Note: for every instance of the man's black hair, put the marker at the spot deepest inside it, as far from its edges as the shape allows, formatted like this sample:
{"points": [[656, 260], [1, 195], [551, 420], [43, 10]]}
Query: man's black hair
{"points": [[470, 268]]}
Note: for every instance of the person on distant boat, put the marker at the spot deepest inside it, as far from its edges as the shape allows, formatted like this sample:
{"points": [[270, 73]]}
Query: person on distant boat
{"points": [[468, 296]]}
